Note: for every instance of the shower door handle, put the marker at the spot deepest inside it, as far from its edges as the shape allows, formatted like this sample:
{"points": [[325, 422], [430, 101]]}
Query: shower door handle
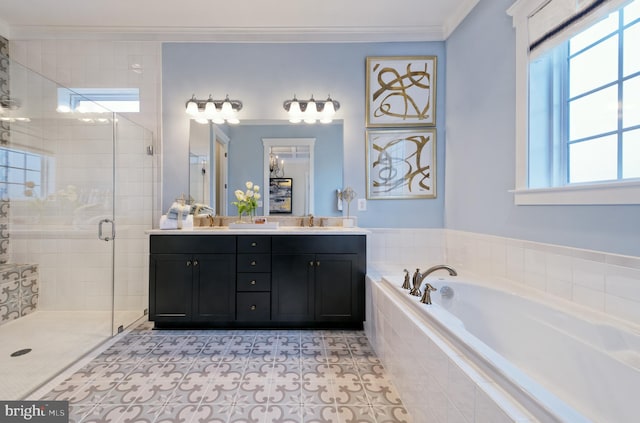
{"points": [[109, 237]]}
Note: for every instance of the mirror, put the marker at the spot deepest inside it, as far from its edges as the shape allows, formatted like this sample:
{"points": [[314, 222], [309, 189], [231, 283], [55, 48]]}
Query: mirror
{"points": [[208, 164], [248, 158]]}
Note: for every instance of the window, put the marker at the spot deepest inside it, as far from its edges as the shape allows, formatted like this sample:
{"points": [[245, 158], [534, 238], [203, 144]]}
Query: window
{"points": [[578, 125], [98, 100], [22, 174], [584, 105]]}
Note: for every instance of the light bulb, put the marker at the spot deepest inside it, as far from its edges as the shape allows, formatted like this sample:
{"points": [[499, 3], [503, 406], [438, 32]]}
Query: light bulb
{"points": [[294, 111], [210, 110], [328, 112], [311, 114], [227, 109], [192, 107]]}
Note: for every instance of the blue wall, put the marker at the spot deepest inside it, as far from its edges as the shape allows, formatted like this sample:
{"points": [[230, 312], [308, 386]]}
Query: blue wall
{"points": [[480, 116], [263, 76]]}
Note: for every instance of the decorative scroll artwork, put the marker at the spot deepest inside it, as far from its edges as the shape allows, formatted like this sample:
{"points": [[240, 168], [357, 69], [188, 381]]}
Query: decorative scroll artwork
{"points": [[401, 91], [401, 163]]}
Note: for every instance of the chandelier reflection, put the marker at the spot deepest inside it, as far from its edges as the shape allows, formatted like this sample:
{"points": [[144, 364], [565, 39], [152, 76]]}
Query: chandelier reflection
{"points": [[276, 168]]}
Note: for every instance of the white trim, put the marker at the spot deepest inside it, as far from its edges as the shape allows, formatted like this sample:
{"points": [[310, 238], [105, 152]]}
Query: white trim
{"points": [[239, 34], [452, 22], [272, 142], [589, 194]]}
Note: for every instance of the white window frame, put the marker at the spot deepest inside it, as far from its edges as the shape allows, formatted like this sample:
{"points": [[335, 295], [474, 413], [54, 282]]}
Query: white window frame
{"points": [[615, 192]]}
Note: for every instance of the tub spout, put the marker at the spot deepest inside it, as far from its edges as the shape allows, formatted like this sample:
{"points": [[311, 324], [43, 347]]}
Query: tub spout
{"points": [[419, 277]]}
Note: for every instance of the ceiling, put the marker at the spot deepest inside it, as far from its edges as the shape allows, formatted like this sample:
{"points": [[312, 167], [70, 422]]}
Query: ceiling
{"points": [[235, 20]]}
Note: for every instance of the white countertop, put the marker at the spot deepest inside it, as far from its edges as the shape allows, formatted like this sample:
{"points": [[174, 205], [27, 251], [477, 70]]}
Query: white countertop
{"points": [[283, 230]]}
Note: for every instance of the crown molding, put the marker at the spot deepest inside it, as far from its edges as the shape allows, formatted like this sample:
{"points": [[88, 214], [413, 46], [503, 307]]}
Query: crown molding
{"points": [[456, 19], [234, 34]]}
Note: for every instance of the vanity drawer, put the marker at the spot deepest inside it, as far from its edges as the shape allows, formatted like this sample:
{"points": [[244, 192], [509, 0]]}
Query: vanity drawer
{"points": [[253, 306], [254, 263], [254, 244], [253, 282]]}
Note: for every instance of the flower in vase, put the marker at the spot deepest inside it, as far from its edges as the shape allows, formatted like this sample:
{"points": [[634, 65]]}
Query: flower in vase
{"points": [[247, 201]]}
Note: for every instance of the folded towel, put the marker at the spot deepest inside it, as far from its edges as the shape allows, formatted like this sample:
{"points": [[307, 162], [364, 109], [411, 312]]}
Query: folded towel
{"points": [[177, 209], [166, 223], [202, 209]]}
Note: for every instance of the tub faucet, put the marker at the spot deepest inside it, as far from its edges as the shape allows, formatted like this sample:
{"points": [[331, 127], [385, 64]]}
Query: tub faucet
{"points": [[419, 277]]}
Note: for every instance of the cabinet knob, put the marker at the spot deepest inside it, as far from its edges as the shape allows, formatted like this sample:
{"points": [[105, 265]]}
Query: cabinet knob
{"points": [[318, 263], [253, 262], [195, 262], [253, 282], [252, 307], [311, 263], [254, 244], [188, 263]]}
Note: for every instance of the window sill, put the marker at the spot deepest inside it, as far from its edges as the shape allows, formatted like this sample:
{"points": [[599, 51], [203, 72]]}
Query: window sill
{"points": [[588, 194]]}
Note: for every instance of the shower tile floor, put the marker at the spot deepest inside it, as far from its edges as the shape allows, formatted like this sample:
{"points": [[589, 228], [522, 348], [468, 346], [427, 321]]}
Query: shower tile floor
{"points": [[234, 376]]}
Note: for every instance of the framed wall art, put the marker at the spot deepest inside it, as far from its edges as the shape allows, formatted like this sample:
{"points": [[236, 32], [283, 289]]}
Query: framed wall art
{"points": [[401, 91], [401, 163], [280, 195]]}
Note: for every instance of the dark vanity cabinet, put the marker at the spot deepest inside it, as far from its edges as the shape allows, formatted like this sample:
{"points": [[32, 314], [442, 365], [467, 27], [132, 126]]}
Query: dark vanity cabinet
{"points": [[192, 278], [318, 278], [257, 280]]}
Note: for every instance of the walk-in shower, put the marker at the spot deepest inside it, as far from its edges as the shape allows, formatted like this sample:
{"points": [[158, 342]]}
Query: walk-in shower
{"points": [[76, 198]]}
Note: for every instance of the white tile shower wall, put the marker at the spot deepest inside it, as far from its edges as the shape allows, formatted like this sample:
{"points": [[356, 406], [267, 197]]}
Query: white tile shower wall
{"points": [[609, 283], [103, 64]]}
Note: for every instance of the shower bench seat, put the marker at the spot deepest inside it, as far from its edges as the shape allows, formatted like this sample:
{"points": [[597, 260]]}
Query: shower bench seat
{"points": [[18, 290]]}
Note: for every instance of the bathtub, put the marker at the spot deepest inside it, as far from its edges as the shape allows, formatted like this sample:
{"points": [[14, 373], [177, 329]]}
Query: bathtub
{"points": [[558, 366]]}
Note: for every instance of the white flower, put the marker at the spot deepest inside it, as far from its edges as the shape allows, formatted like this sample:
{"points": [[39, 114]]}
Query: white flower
{"points": [[239, 195], [257, 196], [256, 188], [249, 184], [249, 194]]}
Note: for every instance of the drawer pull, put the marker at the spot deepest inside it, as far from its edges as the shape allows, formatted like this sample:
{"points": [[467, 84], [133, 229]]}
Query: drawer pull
{"points": [[254, 244], [253, 263], [252, 307], [318, 263], [253, 282], [311, 263], [195, 262], [188, 263]]}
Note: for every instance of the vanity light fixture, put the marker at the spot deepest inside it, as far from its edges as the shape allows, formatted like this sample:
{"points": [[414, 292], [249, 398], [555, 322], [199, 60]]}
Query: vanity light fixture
{"points": [[311, 110], [216, 111]]}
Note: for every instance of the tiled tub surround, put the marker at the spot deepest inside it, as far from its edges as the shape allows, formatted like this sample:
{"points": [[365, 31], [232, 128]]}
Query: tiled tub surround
{"points": [[608, 283], [233, 376]]}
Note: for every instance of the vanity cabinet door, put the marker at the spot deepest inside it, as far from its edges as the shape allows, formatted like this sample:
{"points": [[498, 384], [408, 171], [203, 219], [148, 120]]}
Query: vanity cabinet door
{"points": [[170, 290], [292, 287], [214, 287], [336, 287]]}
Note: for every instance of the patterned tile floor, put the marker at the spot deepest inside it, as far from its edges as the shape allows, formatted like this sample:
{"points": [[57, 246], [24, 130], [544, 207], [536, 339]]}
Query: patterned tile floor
{"points": [[234, 376]]}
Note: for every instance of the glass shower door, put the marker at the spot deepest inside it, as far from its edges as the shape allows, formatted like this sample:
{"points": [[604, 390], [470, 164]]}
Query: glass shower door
{"points": [[133, 216]]}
